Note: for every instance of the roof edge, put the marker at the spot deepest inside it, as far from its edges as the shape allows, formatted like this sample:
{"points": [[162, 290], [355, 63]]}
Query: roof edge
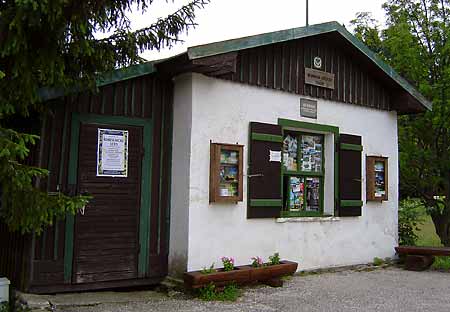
{"points": [[254, 41], [103, 79], [126, 73], [237, 44]]}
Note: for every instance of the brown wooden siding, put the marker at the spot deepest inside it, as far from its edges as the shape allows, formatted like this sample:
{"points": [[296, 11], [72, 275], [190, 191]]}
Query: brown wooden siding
{"points": [[14, 256], [142, 97], [15, 248], [281, 66]]}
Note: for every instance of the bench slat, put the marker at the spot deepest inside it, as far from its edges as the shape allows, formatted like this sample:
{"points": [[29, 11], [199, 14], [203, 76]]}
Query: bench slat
{"points": [[413, 250]]}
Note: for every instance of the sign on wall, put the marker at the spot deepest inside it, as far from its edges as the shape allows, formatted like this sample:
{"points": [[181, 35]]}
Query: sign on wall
{"points": [[112, 153], [317, 62], [319, 78], [308, 108]]}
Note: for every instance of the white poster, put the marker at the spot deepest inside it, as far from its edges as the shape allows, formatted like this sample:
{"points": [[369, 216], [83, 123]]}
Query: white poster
{"points": [[112, 153], [275, 156]]}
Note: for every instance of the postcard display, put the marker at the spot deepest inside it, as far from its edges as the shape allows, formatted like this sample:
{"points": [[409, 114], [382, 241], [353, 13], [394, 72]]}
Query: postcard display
{"points": [[226, 173], [377, 178], [303, 191]]}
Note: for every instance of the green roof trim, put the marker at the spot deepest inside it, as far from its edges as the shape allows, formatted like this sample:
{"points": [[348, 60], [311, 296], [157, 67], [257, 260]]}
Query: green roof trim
{"points": [[103, 79], [302, 32], [247, 43], [259, 40], [126, 73]]}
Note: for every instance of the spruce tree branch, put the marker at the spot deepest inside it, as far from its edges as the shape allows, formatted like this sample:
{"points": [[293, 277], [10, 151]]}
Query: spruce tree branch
{"points": [[162, 33]]}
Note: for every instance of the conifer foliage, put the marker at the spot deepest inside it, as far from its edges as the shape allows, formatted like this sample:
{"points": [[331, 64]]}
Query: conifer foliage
{"points": [[53, 44]]}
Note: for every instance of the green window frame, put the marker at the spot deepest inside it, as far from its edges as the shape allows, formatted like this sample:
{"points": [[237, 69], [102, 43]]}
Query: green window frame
{"points": [[303, 128]]}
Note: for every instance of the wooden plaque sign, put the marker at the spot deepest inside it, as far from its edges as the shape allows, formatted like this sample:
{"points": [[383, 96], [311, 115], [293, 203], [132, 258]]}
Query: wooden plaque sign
{"points": [[319, 78]]}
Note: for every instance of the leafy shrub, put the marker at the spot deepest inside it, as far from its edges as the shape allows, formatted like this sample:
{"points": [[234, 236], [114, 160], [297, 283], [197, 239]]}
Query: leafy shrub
{"points": [[442, 263], [4, 307], [210, 293], [410, 215], [378, 261]]}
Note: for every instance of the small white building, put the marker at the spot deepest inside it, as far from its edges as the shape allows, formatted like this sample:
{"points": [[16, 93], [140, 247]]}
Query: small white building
{"points": [[316, 114], [281, 142]]}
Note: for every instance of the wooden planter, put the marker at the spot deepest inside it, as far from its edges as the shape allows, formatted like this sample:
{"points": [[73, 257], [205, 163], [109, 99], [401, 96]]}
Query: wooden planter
{"points": [[240, 275], [266, 273]]}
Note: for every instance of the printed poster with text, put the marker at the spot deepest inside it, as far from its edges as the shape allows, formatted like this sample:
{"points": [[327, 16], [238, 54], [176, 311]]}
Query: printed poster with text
{"points": [[112, 153]]}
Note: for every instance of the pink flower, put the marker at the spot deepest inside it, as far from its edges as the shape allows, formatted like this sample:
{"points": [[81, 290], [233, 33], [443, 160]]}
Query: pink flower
{"points": [[257, 261]]}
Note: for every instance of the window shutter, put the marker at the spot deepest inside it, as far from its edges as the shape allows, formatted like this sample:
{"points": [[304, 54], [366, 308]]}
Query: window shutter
{"points": [[350, 173], [264, 176]]}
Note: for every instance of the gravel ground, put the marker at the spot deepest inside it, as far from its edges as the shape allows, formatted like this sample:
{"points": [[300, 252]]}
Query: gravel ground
{"points": [[389, 289]]}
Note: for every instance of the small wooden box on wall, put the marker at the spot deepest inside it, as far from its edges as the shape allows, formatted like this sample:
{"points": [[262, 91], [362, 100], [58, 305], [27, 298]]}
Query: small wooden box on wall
{"points": [[225, 174], [377, 178]]}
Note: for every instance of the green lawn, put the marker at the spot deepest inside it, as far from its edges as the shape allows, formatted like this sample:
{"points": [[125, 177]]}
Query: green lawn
{"points": [[428, 237], [427, 234]]}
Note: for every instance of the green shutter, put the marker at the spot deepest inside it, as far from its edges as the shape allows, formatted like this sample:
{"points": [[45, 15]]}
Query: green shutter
{"points": [[350, 176], [264, 176]]}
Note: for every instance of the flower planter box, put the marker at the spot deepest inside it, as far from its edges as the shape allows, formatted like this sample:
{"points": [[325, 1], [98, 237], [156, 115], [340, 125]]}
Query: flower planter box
{"points": [[265, 273], [196, 279], [240, 275]]}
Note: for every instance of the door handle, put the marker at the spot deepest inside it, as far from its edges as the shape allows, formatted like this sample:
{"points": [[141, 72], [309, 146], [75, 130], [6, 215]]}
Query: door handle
{"points": [[255, 175]]}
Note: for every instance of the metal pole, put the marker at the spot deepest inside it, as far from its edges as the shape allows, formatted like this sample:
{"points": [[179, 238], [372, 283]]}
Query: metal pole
{"points": [[307, 13]]}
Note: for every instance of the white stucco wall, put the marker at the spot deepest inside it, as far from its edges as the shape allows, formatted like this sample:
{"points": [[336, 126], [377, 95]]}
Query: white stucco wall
{"points": [[179, 213], [221, 112]]}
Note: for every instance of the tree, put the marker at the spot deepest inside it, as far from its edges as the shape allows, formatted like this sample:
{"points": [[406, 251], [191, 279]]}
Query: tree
{"points": [[366, 29], [52, 44], [416, 43]]}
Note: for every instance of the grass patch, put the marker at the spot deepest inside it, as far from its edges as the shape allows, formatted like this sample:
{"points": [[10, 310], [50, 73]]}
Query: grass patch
{"points": [[427, 234], [377, 261], [428, 237], [210, 293], [442, 263], [286, 278]]}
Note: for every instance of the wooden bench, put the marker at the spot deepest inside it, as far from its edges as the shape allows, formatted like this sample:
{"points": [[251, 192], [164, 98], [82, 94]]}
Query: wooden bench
{"points": [[420, 258]]}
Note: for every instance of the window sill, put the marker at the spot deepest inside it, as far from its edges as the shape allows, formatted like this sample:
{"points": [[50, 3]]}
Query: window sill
{"points": [[307, 219]]}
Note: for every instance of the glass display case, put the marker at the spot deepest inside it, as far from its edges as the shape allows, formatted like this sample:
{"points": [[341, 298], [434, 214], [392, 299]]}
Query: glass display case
{"points": [[225, 183], [377, 178], [303, 172]]}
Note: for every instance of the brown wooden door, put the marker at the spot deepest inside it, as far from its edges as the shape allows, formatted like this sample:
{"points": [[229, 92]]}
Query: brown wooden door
{"points": [[106, 237]]}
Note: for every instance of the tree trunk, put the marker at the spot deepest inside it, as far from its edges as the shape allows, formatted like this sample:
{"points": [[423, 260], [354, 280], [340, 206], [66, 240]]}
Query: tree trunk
{"points": [[441, 220]]}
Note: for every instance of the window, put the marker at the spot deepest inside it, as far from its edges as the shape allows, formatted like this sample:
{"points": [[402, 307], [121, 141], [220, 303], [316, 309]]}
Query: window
{"points": [[302, 183], [303, 173]]}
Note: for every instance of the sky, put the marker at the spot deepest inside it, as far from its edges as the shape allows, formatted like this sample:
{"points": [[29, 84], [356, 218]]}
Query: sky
{"points": [[228, 19]]}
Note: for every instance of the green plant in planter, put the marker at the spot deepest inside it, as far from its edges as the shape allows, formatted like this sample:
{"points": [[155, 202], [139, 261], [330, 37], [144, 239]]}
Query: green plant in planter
{"points": [[275, 259], [228, 263], [257, 262], [209, 270]]}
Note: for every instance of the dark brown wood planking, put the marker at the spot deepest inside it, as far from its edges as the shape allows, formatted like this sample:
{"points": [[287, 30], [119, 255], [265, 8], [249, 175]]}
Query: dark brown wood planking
{"points": [[106, 241]]}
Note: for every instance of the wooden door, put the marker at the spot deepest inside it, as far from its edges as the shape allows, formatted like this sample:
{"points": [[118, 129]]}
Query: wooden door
{"points": [[106, 237]]}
